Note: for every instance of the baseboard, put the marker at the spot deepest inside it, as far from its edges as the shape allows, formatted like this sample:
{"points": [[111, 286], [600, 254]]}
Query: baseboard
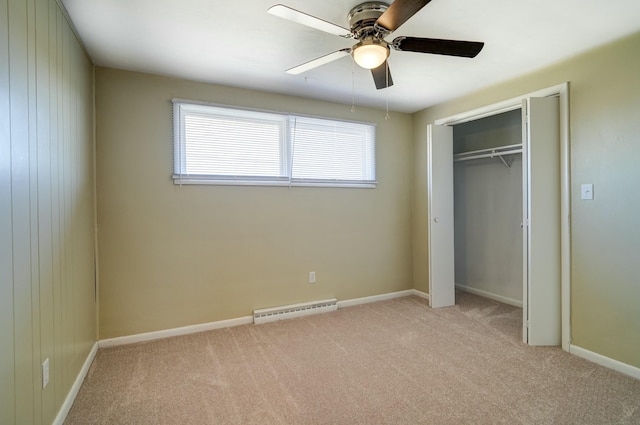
{"points": [[166, 333], [616, 365], [421, 294], [246, 320], [73, 392], [375, 298], [489, 295]]}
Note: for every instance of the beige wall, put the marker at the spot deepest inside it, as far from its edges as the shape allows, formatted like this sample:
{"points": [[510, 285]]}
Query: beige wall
{"points": [[172, 256], [605, 147], [47, 288]]}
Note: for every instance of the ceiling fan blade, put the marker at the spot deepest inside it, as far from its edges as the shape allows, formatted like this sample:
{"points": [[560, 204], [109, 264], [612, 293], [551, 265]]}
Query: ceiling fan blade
{"points": [[322, 60], [382, 76], [294, 15], [467, 49], [399, 12]]}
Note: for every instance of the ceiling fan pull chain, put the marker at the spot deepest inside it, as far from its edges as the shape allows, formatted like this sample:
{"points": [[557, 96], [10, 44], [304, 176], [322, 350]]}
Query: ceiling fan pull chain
{"points": [[386, 117], [353, 85], [386, 67]]}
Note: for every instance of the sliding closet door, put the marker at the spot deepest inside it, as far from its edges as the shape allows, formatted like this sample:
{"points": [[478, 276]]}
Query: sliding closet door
{"points": [[541, 221], [440, 198]]}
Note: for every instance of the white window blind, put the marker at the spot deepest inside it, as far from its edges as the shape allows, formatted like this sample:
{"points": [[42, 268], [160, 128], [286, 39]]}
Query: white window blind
{"points": [[220, 145], [327, 150]]}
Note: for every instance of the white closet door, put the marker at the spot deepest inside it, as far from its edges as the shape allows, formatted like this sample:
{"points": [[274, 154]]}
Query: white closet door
{"points": [[440, 197], [541, 181]]}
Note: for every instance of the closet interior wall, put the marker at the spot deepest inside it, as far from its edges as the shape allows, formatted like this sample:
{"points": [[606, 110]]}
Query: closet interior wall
{"points": [[488, 209]]}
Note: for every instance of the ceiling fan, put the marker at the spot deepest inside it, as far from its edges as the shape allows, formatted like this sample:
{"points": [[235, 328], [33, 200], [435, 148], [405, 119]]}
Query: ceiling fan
{"points": [[370, 23]]}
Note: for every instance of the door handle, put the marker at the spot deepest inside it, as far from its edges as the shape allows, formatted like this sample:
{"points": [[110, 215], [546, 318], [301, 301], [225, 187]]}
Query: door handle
{"points": [[436, 219]]}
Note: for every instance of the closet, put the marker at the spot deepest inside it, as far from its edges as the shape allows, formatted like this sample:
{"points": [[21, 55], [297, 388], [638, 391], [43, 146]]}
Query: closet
{"points": [[506, 212], [488, 207]]}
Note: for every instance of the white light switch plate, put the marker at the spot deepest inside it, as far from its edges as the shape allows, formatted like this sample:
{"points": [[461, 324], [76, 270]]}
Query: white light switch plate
{"points": [[587, 191], [45, 373]]}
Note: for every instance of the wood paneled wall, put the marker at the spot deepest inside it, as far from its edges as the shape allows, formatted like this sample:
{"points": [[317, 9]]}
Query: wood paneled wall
{"points": [[47, 276]]}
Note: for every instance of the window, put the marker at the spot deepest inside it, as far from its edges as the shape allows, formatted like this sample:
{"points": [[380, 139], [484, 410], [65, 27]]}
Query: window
{"points": [[220, 145]]}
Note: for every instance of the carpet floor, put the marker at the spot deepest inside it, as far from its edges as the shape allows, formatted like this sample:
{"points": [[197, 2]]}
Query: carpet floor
{"points": [[391, 362]]}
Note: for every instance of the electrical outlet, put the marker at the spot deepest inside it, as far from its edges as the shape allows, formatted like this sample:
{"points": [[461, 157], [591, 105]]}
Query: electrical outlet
{"points": [[312, 277], [45, 373]]}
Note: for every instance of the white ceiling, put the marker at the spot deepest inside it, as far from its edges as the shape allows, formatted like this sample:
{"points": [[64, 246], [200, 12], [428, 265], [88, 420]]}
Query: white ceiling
{"points": [[236, 43]]}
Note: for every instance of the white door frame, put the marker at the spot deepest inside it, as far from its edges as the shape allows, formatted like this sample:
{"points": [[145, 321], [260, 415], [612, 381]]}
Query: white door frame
{"points": [[562, 91]]}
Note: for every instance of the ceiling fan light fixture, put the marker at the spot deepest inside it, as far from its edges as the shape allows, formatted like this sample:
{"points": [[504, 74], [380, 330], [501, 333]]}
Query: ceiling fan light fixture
{"points": [[370, 53]]}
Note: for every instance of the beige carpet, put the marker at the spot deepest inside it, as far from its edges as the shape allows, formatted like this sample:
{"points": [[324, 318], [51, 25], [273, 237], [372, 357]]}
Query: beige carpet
{"points": [[392, 362]]}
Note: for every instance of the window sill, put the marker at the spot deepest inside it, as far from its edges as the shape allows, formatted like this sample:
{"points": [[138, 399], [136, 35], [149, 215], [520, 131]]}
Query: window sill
{"points": [[184, 180]]}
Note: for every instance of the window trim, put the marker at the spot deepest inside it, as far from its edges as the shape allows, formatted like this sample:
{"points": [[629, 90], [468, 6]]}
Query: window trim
{"points": [[286, 181]]}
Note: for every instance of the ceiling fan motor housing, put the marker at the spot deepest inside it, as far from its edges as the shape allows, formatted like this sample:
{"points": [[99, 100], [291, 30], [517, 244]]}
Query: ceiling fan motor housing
{"points": [[362, 19]]}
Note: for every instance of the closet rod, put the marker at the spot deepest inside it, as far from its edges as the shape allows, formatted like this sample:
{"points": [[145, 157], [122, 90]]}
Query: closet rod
{"points": [[497, 149], [488, 155]]}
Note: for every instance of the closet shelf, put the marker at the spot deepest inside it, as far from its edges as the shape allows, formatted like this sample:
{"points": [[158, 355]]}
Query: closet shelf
{"points": [[497, 152]]}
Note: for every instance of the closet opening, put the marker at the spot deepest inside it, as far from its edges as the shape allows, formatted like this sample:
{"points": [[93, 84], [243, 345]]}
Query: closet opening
{"points": [[488, 207], [544, 210]]}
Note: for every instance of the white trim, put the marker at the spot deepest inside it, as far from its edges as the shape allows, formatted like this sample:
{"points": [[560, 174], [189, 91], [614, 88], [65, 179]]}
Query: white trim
{"points": [[245, 320], [375, 298], [565, 216], [185, 179], [500, 107], [489, 295], [608, 362], [421, 294], [483, 112], [167, 333], [562, 91], [73, 392]]}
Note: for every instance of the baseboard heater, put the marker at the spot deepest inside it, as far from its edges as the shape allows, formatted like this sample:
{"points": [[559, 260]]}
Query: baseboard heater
{"points": [[266, 315]]}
